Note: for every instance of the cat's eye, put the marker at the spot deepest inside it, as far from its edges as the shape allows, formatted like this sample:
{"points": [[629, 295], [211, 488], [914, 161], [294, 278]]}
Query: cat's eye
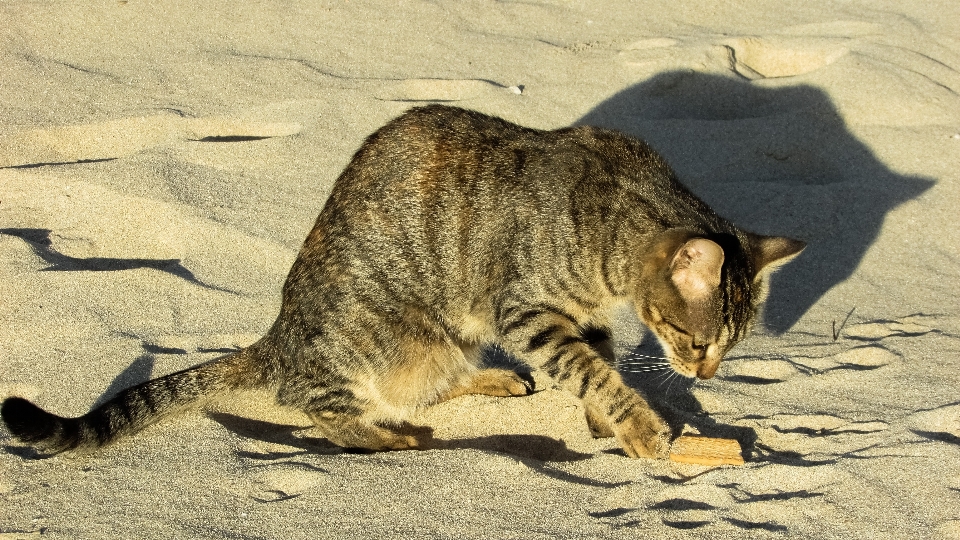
{"points": [[699, 347], [676, 328]]}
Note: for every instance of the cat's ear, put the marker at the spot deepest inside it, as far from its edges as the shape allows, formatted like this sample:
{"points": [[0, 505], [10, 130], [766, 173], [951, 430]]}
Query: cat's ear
{"points": [[695, 269], [772, 252]]}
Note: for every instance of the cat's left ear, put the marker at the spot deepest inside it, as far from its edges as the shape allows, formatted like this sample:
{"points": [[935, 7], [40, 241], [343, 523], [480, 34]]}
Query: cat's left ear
{"points": [[695, 269], [772, 252]]}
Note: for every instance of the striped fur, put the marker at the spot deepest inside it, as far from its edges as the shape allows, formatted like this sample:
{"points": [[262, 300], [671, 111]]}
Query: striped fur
{"points": [[451, 230], [129, 411]]}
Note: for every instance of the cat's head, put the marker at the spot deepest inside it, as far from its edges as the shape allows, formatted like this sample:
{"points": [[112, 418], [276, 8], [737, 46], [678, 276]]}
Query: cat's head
{"points": [[701, 294]]}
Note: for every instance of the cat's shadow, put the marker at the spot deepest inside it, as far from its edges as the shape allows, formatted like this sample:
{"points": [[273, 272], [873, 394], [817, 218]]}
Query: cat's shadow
{"points": [[522, 447], [774, 161]]}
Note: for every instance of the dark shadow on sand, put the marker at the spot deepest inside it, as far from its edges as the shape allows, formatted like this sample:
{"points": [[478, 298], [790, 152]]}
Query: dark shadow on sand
{"points": [[39, 241], [774, 161], [139, 371], [522, 447]]}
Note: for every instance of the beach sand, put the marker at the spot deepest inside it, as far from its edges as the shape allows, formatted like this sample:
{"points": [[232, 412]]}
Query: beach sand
{"points": [[161, 163]]}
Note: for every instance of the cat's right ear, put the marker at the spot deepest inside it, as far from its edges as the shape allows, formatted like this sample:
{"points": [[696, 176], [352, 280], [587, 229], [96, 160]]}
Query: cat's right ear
{"points": [[772, 252], [695, 268]]}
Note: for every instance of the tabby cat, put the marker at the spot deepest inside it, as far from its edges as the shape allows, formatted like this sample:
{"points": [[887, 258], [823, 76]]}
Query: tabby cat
{"points": [[449, 231]]}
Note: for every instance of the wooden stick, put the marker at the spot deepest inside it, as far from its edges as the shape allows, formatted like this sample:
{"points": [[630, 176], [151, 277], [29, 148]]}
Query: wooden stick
{"points": [[706, 451]]}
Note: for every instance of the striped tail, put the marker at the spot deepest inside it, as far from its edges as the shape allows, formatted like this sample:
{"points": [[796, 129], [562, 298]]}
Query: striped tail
{"points": [[129, 411]]}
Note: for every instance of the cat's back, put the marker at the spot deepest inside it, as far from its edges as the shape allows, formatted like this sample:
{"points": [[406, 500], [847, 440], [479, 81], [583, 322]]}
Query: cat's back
{"points": [[468, 134], [439, 168], [442, 149], [443, 200]]}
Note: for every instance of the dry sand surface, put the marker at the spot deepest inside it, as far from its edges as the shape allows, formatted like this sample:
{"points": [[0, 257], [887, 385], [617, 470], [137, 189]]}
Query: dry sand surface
{"points": [[161, 162]]}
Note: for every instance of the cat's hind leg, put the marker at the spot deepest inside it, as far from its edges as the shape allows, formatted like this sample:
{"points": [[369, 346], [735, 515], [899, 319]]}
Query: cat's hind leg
{"points": [[353, 432], [365, 401], [368, 414], [344, 413]]}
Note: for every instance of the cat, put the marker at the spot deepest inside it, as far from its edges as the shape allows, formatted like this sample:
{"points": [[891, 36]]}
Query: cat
{"points": [[450, 231]]}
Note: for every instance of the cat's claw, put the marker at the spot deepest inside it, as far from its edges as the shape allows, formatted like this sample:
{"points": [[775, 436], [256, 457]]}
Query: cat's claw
{"points": [[644, 435], [501, 383], [516, 385], [402, 442]]}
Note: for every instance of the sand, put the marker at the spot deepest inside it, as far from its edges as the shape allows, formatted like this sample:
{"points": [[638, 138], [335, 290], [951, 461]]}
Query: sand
{"points": [[161, 162]]}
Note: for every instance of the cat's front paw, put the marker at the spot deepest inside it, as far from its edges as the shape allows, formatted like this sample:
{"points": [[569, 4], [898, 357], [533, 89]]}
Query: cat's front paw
{"points": [[599, 424], [644, 434]]}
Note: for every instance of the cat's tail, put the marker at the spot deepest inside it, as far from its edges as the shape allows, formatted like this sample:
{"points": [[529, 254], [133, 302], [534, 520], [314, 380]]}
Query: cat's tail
{"points": [[132, 409]]}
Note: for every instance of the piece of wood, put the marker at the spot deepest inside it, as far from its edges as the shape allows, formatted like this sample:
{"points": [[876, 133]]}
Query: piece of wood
{"points": [[706, 451]]}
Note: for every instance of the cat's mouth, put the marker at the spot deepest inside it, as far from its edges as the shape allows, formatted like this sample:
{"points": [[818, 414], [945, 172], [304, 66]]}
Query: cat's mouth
{"points": [[703, 368], [700, 371], [683, 369]]}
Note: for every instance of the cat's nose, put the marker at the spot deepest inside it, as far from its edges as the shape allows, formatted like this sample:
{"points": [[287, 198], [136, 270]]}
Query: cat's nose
{"points": [[708, 366], [707, 370]]}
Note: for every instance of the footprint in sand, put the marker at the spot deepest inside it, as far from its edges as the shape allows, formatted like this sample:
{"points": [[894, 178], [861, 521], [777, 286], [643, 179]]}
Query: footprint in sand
{"points": [[690, 506], [726, 505], [863, 358], [797, 426], [287, 480], [440, 90], [775, 56], [114, 139], [794, 436], [940, 424], [763, 371], [281, 472], [910, 326]]}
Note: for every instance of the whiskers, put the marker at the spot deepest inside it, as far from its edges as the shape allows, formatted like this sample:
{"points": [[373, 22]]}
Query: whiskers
{"points": [[657, 365], [642, 363]]}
